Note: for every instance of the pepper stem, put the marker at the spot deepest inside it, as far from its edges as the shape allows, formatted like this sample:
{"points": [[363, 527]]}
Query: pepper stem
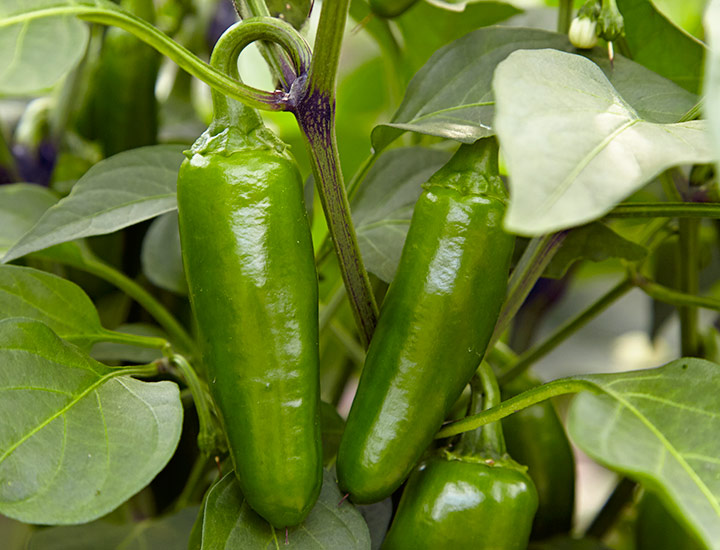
{"points": [[473, 170], [488, 440]]}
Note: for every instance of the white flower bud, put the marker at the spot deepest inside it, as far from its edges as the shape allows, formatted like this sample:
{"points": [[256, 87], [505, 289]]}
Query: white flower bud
{"points": [[583, 33]]}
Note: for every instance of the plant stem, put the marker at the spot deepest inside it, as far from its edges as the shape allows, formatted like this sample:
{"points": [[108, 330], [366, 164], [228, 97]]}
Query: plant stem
{"points": [[666, 210], [206, 437], [688, 244], [166, 320], [694, 112], [526, 359], [533, 262], [612, 508], [565, 9], [517, 403], [186, 60], [134, 339], [315, 113], [676, 298]]}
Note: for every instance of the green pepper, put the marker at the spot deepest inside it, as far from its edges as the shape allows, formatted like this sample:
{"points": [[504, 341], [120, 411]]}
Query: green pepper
{"points": [[656, 528], [121, 110], [390, 8], [536, 437], [434, 325], [249, 263], [475, 497]]}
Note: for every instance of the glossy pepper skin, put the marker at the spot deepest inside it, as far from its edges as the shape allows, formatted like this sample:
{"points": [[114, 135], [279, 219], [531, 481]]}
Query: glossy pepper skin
{"points": [[390, 8], [536, 438], [434, 325], [249, 263], [473, 497], [454, 502]]}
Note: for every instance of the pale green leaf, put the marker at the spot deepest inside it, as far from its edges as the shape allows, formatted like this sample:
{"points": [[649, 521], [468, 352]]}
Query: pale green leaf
{"points": [[60, 304], [38, 53], [659, 427], [574, 148], [123, 190], [452, 97], [712, 75], [77, 438]]}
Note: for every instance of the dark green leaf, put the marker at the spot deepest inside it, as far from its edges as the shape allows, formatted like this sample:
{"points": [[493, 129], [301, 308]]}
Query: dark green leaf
{"points": [[78, 438], [164, 533], [118, 192], [294, 12], [383, 207], [595, 242], [574, 148], [377, 516], [229, 523], [60, 304], [660, 46], [451, 96], [161, 256], [659, 427], [426, 28]]}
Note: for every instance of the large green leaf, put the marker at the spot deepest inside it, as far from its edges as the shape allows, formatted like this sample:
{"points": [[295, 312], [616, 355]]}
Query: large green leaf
{"points": [[123, 190], [452, 97], [712, 75], [21, 205], [687, 14], [384, 204], [426, 28], [37, 53], [164, 533], [60, 304], [227, 522], [77, 438], [573, 146], [660, 426], [661, 46]]}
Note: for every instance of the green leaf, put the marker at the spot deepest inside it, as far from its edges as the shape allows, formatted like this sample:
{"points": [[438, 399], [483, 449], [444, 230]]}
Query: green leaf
{"points": [[377, 516], [21, 205], [38, 53], [686, 14], [712, 75], [161, 255], [660, 46], [383, 206], [451, 96], [595, 242], [228, 522], [574, 148], [60, 304], [166, 533], [77, 438], [332, 426], [426, 28], [659, 427], [123, 190]]}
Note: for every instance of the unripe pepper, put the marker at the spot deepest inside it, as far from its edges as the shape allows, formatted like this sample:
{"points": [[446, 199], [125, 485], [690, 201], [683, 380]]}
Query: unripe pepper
{"points": [[434, 325], [536, 438], [475, 497], [249, 263]]}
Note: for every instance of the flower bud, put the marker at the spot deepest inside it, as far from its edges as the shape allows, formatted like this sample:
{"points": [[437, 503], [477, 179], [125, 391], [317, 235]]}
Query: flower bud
{"points": [[583, 33]]}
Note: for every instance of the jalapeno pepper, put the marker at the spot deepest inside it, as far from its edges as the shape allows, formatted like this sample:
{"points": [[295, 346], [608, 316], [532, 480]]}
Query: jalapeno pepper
{"points": [[475, 497], [434, 325], [249, 263], [536, 438]]}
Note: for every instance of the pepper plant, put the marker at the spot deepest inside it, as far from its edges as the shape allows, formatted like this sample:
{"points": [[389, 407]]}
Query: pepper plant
{"points": [[190, 280]]}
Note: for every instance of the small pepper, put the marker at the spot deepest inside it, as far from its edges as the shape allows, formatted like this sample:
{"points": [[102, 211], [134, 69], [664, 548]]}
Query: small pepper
{"points": [[475, 497]]}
